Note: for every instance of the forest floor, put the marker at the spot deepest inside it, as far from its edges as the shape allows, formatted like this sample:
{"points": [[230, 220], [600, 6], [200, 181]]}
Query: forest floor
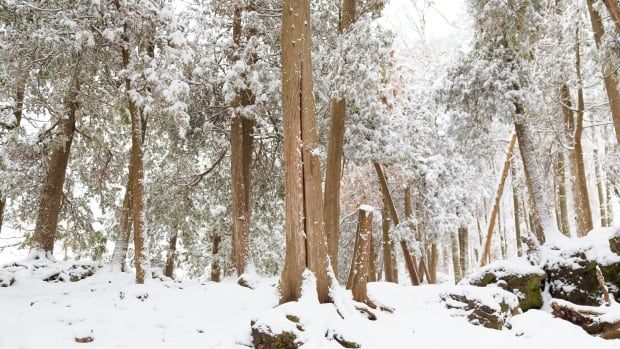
{"points": [[111, 310]]}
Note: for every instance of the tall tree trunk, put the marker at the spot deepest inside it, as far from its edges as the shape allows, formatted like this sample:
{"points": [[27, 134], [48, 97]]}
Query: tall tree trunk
{"points": [[434, 260], [306, 243], [360, 264], [171, 255], [333, 169], [533, 178], [583, 210], [413, 277], [608, 190], [409, 215], [484, 258], [600, 189], [119, 255], [389, 256], [241, 140], [372, 271], [560, 172], [464, 249], [614, 12], [515, 207], [456, 259], [216, 271], [51, 197], [611, 84]]}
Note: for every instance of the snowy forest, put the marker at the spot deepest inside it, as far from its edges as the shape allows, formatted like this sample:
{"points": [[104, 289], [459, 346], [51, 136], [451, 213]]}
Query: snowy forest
{"points": [[281, 174]]}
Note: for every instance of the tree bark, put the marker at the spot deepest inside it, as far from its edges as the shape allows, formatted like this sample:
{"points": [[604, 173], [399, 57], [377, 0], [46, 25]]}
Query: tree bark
{"points": [[515, 207], [171, 255], [533, 179], [413, 277], [51, 197], [306, 243], [560, 173], [583, 210], [432, 279], [464, 249], [611, 84], [119, 255], [614, 12], [215, 250], [484, 259], [389, 257], [333, 169], [360, 265], [600, 189], [456, 260], [241, 140], [409, 215]]}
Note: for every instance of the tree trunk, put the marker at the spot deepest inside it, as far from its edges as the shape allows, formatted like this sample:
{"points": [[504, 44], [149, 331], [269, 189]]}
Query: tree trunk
{"points": [[306, 243], [333, 169], [215, 251], [413, 277], [432, 279], [456, 260], [580, 193], [389, 256], [409, 215], [171, 256], [533, 179], [119, 255], [614, 12], [600, 189], [611, 84], [484, 258], [515, 207], [51, 197], [464, 249], [560, 173], [242, 143], [372, 271], [360, 265]]}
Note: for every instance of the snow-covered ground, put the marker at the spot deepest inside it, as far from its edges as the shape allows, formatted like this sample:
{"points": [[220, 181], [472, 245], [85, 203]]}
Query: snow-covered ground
{"points": [[116, 313]]}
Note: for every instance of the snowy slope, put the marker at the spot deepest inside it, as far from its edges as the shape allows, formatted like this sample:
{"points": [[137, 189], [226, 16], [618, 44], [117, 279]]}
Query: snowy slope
{"points": [[166, 314]]}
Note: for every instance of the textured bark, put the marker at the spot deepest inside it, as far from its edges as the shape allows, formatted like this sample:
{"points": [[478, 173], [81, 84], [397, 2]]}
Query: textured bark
{"points": [[611, 84], [215, 264], [171, 256], [456, 260], [306, 243], [484, 259], [389, 256], [119, 255], [413, 277], [411, 259], [515, 207], [464, 250], [51, 197], [242, 143], [613, 7], [360, 265], [560, 173], [600, 189], [333, 169], [533, 179], [372, 271], [434, 260]]}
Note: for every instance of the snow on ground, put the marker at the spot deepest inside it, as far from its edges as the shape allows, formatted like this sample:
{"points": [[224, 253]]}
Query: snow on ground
{"points": [[165, 314]]}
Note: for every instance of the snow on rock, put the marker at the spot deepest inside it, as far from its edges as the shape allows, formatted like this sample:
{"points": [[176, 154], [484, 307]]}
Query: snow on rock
{"points": [[516, 275], [490, 307], [189, 314], [571, 267]]}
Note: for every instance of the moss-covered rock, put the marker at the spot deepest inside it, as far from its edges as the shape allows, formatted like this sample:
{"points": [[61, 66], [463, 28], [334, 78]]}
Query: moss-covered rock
{"points": [[264, 338], [489, 307], [572, 277], [516, 276]]}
